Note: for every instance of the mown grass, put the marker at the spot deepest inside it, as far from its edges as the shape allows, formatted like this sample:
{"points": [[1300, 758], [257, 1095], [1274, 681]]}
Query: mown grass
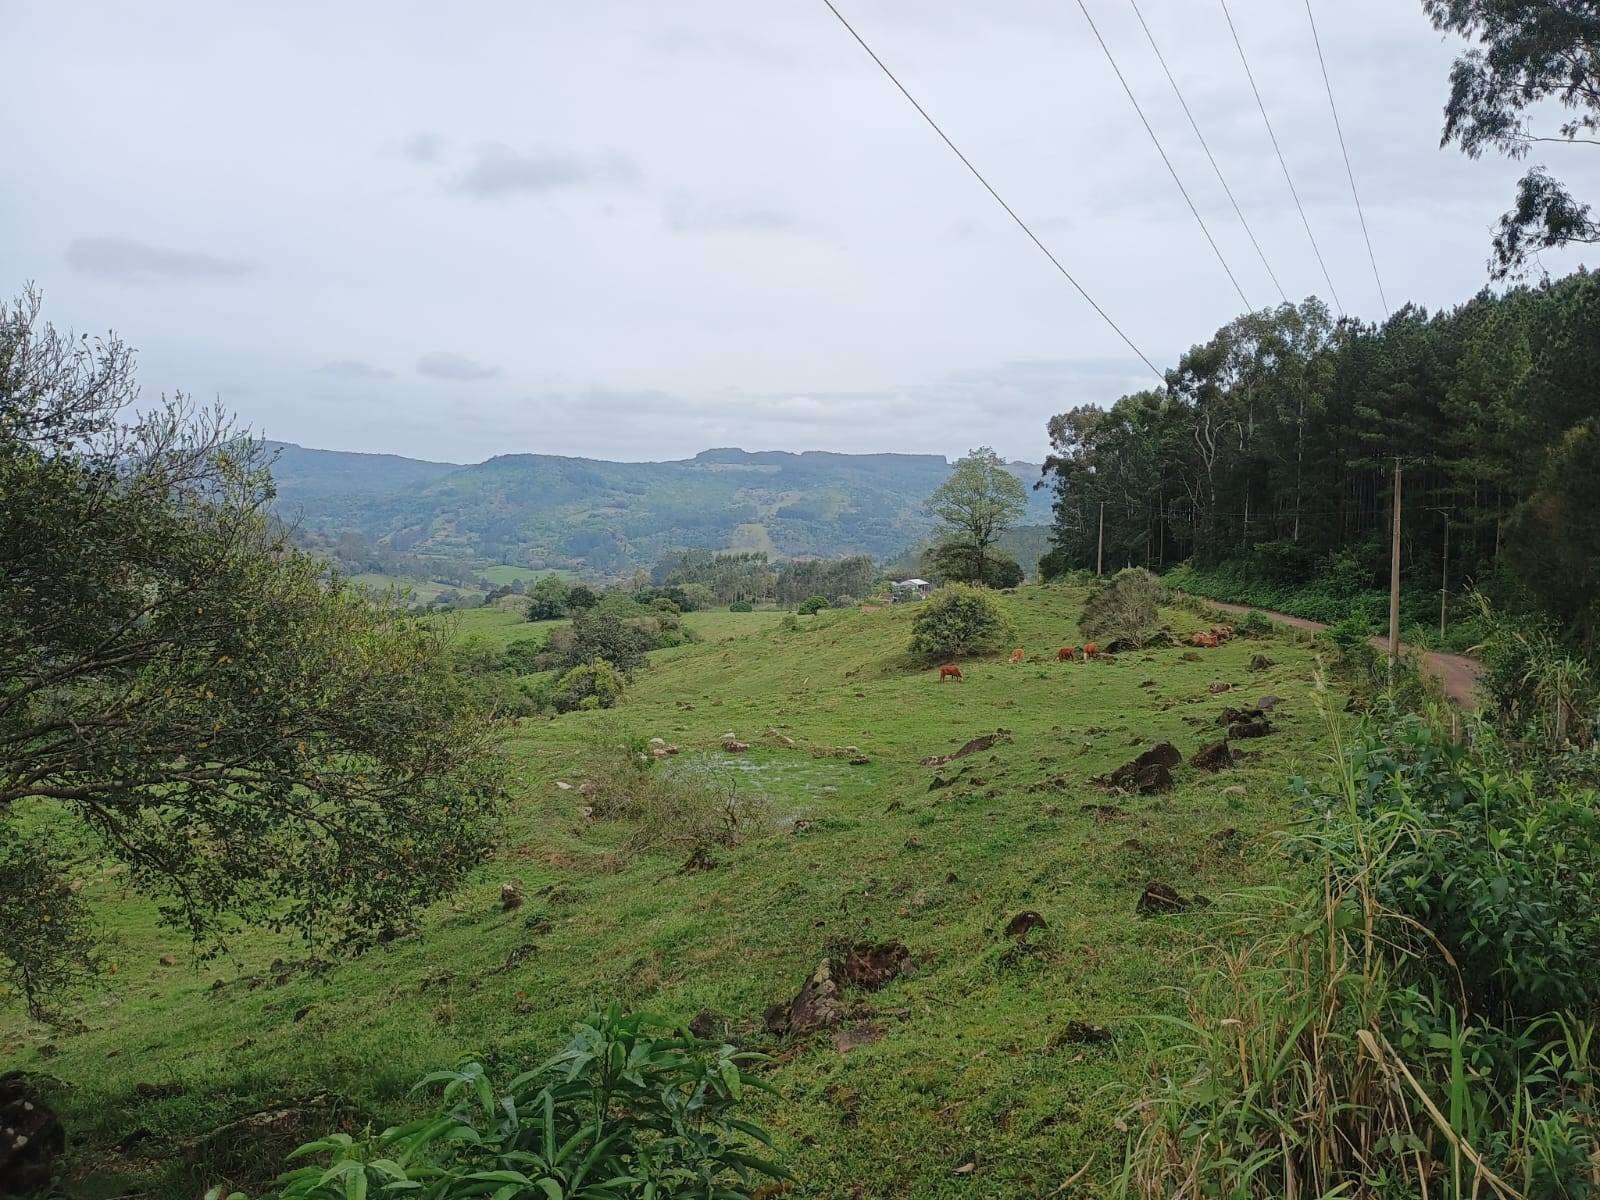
{"points": [[977, 1063]]}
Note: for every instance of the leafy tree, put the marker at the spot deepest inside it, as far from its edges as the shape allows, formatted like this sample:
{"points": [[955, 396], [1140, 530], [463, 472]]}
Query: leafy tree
{"points": [[586, 687], [601, 634], [550, 599], [1555, 539], [978, 503], [958, 620], [186, 692], [581, 596], [1531, 55], [812, 605]]}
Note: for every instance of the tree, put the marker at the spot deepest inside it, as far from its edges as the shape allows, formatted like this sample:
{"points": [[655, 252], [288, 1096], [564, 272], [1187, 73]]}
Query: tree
{"points": [[1529, 53], [550, 599], [978, 503], [959, 620], [1555, 542], [581, 596], [185, 691]]}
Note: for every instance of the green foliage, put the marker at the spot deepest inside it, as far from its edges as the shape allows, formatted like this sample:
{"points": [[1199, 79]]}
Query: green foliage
{"points": [[581, 597], [1123, 606], [629, 1109], [187, 696], [586, 687], [958, 620], [674, 804], [1537, 687], [523, 656], [741, 606], [549, 599], [1554, 537], [812, 605], [980, 501], [1255, 624]]}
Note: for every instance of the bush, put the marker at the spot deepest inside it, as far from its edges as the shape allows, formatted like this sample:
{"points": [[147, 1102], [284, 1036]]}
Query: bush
{"points": [[956, 620], [524, 656], [580, 597], [586, 687], [741, 606], [670, 804], [630, 1108], [812, 605], [550, 599], [1124, 607], [1255, 624]]}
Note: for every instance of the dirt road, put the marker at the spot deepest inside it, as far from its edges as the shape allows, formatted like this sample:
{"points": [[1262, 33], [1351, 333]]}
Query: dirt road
{"points": [[1456, 673]]}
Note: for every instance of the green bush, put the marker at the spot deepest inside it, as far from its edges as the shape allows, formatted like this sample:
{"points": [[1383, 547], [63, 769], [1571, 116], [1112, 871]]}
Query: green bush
{"points": [[958, 620], [1255, 624], [550, 599], [523, 656], [631, 1108], [586, 687], [1124, 607], [741, 606], [812, 605], [581, 596]]}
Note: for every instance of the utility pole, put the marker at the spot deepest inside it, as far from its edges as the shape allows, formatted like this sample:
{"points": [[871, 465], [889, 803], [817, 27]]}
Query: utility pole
{"points": [[1444, 579], [1394, 574], [1100, 553]]}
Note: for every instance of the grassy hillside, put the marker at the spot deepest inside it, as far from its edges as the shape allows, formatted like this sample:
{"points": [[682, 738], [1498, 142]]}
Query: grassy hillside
{"points": [[608, 517], [980, 1075]]}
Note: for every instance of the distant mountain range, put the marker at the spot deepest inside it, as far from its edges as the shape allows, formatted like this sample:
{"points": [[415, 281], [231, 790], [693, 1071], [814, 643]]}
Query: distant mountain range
{"points": [[539, 510]]}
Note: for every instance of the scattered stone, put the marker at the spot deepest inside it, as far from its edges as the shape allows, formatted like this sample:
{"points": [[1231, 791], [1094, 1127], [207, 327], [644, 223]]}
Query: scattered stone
{"points": [[1260, 727], [856, 1036], [860, 760], [31, 1136], [820, 1000], [733, 745], [1216, 757], [1081, 1033], [870, 965], [976, 746], [1024, 923], [1218, 687], [1260, 662], [1159, 899], [1148, 774], [1268, 703], [563, 785], [510, 895], [1190, 656], [1233, 716], [700, 860], [782, 739]]}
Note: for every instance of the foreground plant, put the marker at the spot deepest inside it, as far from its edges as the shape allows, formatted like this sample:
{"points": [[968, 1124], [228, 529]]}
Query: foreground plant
{"points": [[629, 1109]]}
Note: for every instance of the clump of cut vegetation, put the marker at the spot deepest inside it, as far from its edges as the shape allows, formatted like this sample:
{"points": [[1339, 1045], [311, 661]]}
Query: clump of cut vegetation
{"points": [[631, 1108], [1420, 1022], [681, 804], [959, 620], [1125, 607]]}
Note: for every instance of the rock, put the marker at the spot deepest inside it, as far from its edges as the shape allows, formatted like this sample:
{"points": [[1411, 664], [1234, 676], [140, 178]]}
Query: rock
{"points": [[1260, 662], [975, 746], [168, 960], [1158, 899], [870, 965], [1268, 703], [1215, 757], [1190, 656], [32, 1137], [939, 784], [510, 895], [1024, 923], [1081, 1033], [1232, 716], [1218, 687], [856, 1036], [860, 760], [782, 739], [1151, 772], [655, 742], [1259, 727], [734, 746], [563, 785], [817, 1005]]}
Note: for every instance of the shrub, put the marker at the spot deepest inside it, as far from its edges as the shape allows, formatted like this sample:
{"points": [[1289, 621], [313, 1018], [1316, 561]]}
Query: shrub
{"points": [[812, 605], [670, 804], [586, 687], [1124, 607], [630, 1108], [550, 599], [1255, 624], [523, 656], [958, 619], [580, 597], [741, 606]]}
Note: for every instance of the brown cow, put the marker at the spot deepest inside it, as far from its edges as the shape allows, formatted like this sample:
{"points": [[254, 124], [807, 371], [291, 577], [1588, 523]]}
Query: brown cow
{"points": [[1066, 654], [1090, 649], [1016, 656], [951, 671]]}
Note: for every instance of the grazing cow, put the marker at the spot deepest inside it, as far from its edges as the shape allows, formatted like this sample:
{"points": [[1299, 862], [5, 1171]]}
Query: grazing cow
{"points": [[1090, 650], [1066, 654], [951, 671], [1016, 656]]}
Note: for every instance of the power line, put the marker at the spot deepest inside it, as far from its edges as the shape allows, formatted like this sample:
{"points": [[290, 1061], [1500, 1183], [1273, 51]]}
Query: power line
{"points": [[1021, 224], [1171, 170], [1304, 220], [1195, 125], [1343, 149]]}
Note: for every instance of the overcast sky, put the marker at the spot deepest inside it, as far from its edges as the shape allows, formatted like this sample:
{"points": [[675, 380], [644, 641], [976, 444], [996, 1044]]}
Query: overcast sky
{"points": [[627, 229]]}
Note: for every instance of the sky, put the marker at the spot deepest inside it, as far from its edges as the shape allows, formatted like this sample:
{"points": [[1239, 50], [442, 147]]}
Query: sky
{"points": [[632, 230]]}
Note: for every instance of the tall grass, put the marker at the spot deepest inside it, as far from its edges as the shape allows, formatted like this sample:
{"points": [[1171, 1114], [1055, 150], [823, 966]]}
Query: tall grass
{"points": [[1339, 1043]]}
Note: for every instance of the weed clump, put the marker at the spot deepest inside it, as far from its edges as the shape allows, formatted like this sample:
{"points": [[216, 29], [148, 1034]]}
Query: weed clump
{"points": [[670, 806], [1126, 607], [959, 620]]}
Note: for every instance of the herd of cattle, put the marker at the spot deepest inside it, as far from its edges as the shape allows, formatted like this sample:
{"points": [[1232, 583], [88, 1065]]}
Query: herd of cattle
{"points": [[1209, 640]]}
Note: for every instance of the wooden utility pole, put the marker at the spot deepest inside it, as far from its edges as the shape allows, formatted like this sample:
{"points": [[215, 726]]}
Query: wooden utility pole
{"points": [[1444, 578], [1100, 553], [1394, 574]]}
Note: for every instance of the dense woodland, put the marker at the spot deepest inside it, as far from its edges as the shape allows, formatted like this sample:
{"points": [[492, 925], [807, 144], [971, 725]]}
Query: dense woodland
{"points": [[1274, 443]]}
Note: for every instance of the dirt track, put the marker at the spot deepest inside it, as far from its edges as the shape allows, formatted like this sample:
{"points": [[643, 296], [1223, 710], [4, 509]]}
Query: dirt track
{"points": [[1456, 673]]}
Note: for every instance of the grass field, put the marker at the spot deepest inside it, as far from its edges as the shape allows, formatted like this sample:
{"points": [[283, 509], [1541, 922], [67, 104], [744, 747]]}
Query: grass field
{"points": [[979, 1082]]}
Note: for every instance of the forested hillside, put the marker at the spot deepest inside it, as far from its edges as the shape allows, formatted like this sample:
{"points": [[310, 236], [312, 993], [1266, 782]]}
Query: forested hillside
{"points": [[1274, 444], [610, 517]]}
